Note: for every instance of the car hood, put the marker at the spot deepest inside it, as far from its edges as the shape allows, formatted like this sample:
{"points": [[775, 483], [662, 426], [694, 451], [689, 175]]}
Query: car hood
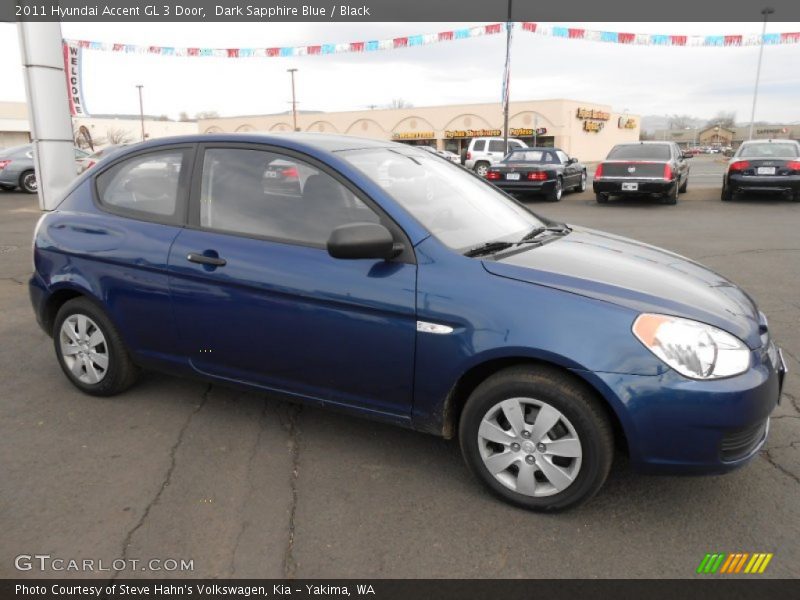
{"points": [[636, 275]]}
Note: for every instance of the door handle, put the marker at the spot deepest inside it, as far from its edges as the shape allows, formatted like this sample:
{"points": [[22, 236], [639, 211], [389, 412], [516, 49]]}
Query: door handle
{"points": [[206, 260]]}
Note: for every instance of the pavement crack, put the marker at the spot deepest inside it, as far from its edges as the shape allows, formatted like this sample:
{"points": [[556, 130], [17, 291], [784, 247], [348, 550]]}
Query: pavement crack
{"points": [[768, 457], [250, 464], [13, 280], [167, 477], [291, 426]]}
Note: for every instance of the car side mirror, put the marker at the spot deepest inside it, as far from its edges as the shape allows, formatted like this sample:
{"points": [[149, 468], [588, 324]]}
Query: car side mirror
{"points": [[363, 240], [572, 161]]}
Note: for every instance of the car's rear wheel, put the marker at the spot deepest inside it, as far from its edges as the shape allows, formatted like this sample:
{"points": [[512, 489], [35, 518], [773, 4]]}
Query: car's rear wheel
{"points": [[601, 198], [90, 350], [685, 185], [537, 438], [555, 194], [672, 196], [481, 168], [726, 195], [28, 182]]}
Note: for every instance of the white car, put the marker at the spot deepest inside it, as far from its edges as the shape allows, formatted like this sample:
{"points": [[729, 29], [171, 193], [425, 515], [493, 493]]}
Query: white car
{"points": [[483, 152], [446, 154]]}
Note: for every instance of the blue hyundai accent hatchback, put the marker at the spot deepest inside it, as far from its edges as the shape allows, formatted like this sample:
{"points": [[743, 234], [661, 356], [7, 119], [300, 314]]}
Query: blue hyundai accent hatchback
{"points": [[383, 280]]}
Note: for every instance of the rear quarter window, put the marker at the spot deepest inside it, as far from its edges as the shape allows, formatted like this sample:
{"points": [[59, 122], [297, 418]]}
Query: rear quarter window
{"points": [[144, 186], [479, 146]]}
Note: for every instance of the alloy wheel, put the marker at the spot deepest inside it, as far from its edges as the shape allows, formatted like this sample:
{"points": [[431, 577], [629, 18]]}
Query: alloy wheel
{"points": [[482, 169], [84, 349], [583, 181], [530, 447], [29, 182]]}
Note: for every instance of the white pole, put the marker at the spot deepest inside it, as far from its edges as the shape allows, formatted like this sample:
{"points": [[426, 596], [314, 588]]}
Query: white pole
{"points": [[766, 12], [48, 105]]}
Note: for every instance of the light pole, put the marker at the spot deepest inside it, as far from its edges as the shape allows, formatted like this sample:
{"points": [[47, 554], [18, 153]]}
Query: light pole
{"points": [[294, 101], [507, 80], [141, 109], [766, 12]]}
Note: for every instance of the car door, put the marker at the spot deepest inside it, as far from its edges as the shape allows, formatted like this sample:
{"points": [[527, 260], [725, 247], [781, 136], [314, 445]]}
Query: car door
{"points": [[258, 299], [571, 170], [681, 163]]}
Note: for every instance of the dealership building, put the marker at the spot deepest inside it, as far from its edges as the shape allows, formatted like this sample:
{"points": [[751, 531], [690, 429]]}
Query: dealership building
{"points": [[586, 130], [716, 135]]}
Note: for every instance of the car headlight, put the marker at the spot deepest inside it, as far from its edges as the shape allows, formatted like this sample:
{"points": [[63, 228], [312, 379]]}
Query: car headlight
{"points": [[693, 349]]}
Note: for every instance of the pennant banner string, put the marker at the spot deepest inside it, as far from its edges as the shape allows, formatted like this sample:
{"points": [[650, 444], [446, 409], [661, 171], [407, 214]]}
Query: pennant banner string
{"points": [[569, 33]]}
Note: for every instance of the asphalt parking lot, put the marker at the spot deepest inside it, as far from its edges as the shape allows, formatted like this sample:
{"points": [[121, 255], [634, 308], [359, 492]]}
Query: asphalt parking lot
{"points": [[247, 486]]}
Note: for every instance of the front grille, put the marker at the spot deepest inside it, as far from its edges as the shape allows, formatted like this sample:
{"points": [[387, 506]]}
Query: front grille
{"points": [[738, 444]]}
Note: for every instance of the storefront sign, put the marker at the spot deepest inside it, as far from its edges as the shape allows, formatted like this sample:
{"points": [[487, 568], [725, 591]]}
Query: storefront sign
{"points": [[413, 135], [471, 133], [590, 113], [626, 123], [523, 132], [593, 126], [768, 131], [73, 55]]}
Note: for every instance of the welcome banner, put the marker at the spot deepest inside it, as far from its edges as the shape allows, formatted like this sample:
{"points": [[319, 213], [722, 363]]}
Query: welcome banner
{"points": [[73, 62]]}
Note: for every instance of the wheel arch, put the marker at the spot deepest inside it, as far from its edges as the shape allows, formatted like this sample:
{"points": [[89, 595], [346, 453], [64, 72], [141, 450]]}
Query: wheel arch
{"points": [[475, 375], [59, 297]]}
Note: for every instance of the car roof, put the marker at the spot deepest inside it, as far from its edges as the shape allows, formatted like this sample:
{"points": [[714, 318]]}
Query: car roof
{"points": [[535, 148], [644, 142], [770, 141], [309, 141]]}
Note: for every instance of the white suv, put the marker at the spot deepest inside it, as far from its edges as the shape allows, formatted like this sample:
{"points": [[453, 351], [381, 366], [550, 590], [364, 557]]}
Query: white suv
{"points": [[483, 152]]}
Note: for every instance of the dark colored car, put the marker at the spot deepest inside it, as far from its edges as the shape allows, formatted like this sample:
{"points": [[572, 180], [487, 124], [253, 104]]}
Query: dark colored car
{"points": [[17, 168], [547, 171], [656, 169], [770, 167], [404, 288]]}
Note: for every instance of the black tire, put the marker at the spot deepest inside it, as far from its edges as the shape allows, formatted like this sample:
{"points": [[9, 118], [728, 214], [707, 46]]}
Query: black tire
{"points": [[601, 198], [726, 195], [672, 196], [685, 185], [568, 396], [481, 168], [28, 183], [581, 187], [120, 374], [558, 190]]}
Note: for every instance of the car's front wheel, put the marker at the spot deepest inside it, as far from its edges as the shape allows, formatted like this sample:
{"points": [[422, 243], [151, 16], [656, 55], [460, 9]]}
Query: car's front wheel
{"points": [[537, 438], [90, 350], [581, 187], [28, 183]]}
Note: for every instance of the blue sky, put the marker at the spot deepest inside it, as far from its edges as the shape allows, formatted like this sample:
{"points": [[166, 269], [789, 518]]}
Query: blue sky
{"points": [[643, 80]]}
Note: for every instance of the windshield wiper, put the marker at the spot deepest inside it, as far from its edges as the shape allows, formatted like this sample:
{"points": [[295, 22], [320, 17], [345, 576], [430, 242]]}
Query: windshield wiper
{"points": [[488, 248], [534, 233]]}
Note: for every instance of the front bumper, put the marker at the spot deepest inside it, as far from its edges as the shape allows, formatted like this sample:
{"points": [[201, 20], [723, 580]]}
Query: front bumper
{"points": [[677, 425], [612, 185], [779, 184]]}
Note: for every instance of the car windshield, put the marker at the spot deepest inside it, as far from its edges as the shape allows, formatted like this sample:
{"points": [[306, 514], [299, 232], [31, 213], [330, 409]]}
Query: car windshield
{"points": [[530, 156], [640, 152], [458, 208], [768, 151]]}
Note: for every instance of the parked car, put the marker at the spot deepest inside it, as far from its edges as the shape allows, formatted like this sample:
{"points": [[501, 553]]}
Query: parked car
{"points": [[547, 171], [446, 154], [656, 169], [17, 168], [769, 167], [419, 295], [483, 152]]}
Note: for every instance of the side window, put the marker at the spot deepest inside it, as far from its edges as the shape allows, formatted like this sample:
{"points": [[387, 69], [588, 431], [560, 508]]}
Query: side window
{"points": [[562, 156], [479, 146], [255, 192], [513, 145], [496, 146], [143, 186]]}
